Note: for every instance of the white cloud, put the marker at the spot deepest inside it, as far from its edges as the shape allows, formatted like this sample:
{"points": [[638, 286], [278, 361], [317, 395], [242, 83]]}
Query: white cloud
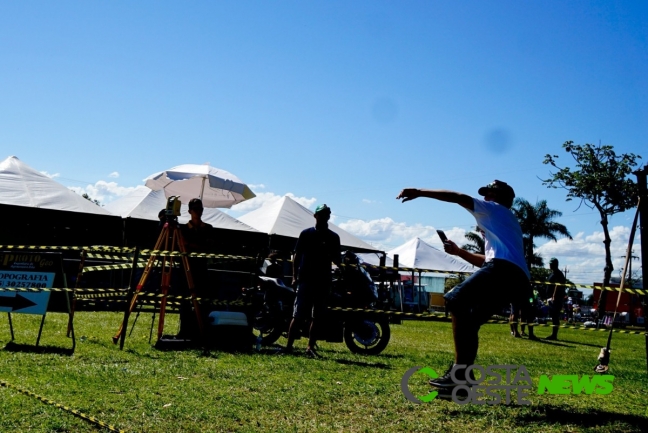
{"points": [[114, 174], [51, 176], [387, 234], [584, 257]]}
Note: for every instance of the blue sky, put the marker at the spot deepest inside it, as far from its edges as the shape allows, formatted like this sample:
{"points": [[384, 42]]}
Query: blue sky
{"points": [[338, 102]]}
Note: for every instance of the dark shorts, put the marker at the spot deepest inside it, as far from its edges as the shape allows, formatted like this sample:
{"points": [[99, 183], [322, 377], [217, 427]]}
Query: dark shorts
{"points": [[310, 301], [489, 290]]}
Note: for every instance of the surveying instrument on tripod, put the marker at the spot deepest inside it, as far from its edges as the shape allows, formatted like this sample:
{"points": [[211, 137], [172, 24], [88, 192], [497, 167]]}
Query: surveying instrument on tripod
{"points": [[165, 253]]}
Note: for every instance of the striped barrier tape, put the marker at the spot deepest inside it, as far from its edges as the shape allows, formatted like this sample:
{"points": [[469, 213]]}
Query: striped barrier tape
{"points": [[121, 266], [100, 295], [74, 412], [236, 257], [171, 305], [107, 257], [88, 294], [67, 248]]}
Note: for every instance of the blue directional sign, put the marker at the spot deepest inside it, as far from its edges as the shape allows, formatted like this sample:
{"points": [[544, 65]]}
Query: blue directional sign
{"points": [[24, 273]]}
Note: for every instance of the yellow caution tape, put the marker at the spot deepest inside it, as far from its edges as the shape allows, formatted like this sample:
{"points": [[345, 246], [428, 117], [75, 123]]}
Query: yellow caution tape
{"points": [[68, 248], [166, 253], [107, 257], [74, 412]]}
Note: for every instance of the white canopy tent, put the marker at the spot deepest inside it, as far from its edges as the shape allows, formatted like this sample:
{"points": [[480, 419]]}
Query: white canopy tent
{"points": [[144, 203], [44, 212], [418, 254], [21, 185], [374, 259], [285, 217]]}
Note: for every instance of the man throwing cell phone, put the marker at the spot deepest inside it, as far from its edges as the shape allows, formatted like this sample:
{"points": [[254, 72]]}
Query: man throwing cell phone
{"points": [[503, 277]]}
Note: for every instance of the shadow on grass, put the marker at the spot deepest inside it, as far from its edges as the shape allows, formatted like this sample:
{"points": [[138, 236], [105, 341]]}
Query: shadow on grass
{"points": [[546, 413], [583, 344], [379, 365], [388, 356], [553, 342], [549, 415], [30, 348]]}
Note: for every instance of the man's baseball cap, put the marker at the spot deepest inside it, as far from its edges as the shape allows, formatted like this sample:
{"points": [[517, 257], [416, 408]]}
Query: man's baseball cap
{"points": [[553, 260], [322, 208], [501, 190]]}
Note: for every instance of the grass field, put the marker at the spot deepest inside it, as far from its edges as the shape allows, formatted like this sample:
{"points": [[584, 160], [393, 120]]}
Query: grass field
{"points": [[142, 389]]}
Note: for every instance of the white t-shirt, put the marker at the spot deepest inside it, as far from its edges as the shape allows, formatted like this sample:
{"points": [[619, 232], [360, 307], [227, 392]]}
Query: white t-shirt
{"points": [[502, 232]]}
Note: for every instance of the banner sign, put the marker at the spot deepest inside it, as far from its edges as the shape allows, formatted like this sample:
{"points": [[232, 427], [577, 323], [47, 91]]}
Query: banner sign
{"points": [[30, 270]]}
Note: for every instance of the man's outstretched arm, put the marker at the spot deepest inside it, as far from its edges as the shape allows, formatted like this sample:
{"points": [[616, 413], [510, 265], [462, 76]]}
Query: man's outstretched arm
{"points": [[474, 259], [461, 199]]}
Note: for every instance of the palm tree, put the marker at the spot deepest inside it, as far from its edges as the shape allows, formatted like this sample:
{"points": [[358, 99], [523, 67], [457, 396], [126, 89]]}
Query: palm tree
{"points": [[537, 222], [476, 242], [536, 261]]}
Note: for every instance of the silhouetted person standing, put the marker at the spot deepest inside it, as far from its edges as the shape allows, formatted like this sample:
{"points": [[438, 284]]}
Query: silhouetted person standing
{"points": [[317, 247], [558, 280], [198, 237]]}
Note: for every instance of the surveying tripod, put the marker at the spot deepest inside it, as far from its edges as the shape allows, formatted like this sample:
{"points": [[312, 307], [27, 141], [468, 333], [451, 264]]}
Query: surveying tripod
{"points": [[170, 240]]}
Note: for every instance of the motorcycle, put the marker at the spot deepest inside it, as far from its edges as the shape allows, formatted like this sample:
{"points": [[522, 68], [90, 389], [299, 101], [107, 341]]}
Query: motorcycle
{"points": [[352, 288]]}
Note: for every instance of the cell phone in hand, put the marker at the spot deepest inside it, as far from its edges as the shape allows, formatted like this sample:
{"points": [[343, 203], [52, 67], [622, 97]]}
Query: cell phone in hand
{"points": [[442, 235]]}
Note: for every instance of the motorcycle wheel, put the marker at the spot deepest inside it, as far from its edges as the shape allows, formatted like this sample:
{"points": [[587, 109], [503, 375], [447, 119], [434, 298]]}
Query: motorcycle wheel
{"points": [[268, 328], [367, 337]]}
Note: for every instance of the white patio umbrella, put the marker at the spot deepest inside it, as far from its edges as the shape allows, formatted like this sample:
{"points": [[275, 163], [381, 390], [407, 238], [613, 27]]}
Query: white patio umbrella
{"points": [[215, 187]]}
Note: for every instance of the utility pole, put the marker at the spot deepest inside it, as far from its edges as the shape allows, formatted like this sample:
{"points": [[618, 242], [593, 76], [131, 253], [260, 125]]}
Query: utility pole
{"points": [[643, 227]]}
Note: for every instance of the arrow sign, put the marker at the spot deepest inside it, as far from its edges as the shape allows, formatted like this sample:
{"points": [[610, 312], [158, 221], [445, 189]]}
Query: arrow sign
{"points": [[26, 303], [16, 303]]}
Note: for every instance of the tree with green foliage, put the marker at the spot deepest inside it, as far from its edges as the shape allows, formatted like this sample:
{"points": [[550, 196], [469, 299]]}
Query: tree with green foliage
{"points": [[601, 181], [537, 221], [87, 197]]}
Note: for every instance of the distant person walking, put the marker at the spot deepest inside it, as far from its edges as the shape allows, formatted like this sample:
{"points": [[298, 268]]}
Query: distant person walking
{"points": [[502, 279], [558, 280]]}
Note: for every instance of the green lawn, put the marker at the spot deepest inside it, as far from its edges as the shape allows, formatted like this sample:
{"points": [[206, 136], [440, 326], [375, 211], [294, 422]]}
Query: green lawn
{"points": [[144, 389]]}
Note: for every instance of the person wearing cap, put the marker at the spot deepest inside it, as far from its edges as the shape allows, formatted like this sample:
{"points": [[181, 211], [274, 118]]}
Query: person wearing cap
{"points": [[557, 280], [198, 237], [197, 234], [503, 277], [317, 247]]}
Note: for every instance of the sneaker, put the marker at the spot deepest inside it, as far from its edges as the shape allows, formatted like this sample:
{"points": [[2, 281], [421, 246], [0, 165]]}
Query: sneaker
{"points": [[551, 337], [446, 393], [312, 354], [446, 381]]}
